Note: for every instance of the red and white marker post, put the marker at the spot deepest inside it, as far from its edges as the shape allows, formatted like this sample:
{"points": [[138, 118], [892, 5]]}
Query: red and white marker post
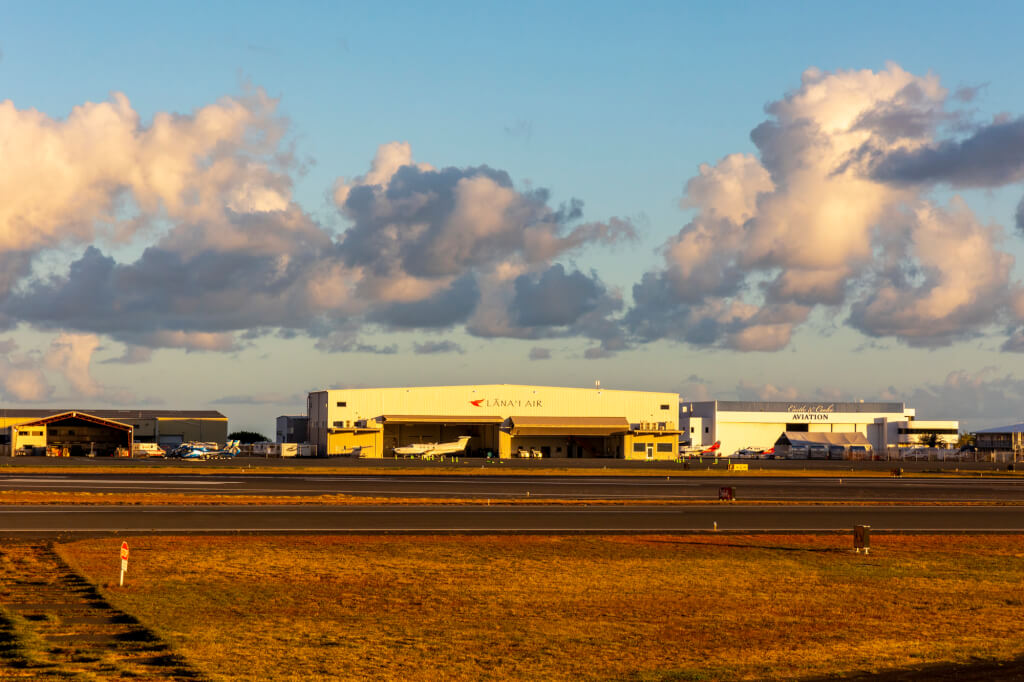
{"points": [[124, 560]]}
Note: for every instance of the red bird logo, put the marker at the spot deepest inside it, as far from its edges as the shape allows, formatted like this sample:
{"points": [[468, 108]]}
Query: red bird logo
{"points": [[476, 403]]}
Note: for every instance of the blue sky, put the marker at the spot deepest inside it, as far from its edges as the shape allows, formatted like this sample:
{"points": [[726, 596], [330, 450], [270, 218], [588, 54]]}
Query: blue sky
{"points": [[614, 105]]}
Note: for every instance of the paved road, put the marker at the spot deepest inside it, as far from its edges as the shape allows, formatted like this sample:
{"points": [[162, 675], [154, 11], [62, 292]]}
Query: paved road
{"points": [[46, 521], [384, 465], [691, 488]]}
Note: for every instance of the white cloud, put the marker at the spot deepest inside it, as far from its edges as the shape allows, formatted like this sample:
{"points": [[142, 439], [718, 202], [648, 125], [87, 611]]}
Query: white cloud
{"points": [[71, 355], [806, 224]]}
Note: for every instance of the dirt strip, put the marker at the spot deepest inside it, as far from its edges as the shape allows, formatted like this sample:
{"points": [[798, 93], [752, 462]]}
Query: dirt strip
{"points": [[55, 625]]}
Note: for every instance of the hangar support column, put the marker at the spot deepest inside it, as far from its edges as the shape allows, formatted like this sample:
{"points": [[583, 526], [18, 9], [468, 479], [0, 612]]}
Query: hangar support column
{"points": [[504, 444]]}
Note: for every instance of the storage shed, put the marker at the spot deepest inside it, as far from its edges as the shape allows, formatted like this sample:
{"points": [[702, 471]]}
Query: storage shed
{"points": [[822, 445]]}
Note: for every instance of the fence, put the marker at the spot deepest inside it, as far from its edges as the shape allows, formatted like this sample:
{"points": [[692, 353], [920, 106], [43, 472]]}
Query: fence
{"points": [[951, 455]]}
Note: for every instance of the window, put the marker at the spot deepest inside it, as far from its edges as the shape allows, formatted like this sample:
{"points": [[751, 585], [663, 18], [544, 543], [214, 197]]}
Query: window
{"points": [[339, 425], [692, 429], [664, 407], [664, 447], [639, 447], [707, 429], [342, 403]]}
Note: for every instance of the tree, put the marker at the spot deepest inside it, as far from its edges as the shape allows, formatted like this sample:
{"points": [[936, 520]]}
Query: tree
{"points": [[965, 440], [246, 437], [931, 440]]}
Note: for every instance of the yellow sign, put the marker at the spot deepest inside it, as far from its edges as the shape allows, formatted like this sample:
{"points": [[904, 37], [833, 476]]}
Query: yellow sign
{"points": [[736, 466]]}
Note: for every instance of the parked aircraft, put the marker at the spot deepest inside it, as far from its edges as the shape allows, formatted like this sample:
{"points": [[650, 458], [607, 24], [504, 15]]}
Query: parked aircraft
{"points": [[428, 450], [199, 450], [696, 451], [713, 449]]}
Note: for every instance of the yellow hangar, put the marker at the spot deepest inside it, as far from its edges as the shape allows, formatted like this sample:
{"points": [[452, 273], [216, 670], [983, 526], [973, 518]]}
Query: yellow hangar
{"points": [[501, 420]]}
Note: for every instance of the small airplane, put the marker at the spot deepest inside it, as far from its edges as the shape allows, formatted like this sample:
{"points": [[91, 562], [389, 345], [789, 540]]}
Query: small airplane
{"points": [[697, 451], [427, 450]]}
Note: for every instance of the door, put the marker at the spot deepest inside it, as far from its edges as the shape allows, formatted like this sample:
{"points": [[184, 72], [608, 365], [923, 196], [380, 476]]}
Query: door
{"points": [[650, 451]]}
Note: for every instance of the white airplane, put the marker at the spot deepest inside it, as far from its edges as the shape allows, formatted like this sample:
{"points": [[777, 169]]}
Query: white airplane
{"points": [[415, 449], [434, 449]]}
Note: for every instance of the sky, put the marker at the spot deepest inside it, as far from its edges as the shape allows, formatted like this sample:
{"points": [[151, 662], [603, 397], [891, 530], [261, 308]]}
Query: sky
{"points": [[228, 205]]}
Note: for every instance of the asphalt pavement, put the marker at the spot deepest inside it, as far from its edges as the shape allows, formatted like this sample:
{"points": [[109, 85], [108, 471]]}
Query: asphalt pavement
{"points": [[43, 521], [747, 486]]}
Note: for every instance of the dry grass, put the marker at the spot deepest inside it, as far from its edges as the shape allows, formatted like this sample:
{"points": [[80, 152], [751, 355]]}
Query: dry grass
{"points": [[654, 607], [60, 497]]}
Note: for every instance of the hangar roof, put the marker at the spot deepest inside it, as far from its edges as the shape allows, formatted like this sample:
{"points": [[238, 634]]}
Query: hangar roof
{"points": [[805, 405], [82, 416], [117, 414], [1013, 428]]}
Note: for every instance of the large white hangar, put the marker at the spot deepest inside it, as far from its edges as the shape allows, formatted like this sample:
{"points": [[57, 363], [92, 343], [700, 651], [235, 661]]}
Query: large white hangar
{"points": [[501, 419], [740, 424]]}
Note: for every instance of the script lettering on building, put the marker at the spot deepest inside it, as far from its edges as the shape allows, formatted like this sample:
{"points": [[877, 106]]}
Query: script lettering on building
{"points": [[499, 402], [813, 412]]}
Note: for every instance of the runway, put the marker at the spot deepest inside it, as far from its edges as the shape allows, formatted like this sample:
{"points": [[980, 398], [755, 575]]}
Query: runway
{"points": [[579, 488], [44, 521]]}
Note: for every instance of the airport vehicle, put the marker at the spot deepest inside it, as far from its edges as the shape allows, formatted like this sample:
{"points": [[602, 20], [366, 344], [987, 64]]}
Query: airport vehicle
{"points": [[428, 450], [147, 450]]}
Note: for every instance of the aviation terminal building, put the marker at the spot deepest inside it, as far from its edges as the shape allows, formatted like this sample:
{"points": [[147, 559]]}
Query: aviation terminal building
{"points": [[741, 424], [501, 419]]}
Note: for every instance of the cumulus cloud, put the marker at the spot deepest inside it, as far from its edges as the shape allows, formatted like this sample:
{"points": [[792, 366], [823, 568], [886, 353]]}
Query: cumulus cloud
{"points": [[749, 391], [71, 355], [260, 399], [414, 228], [435, 347], [21, 376], [990, 157], [696, 389], [234, 258], [554, 298], [62, 179], [983, 398], [819, 218], [132, 355]]}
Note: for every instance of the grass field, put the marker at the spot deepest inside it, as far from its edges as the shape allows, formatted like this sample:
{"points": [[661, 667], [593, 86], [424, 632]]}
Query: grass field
{"points": [[60, 497], [582, 607]]}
